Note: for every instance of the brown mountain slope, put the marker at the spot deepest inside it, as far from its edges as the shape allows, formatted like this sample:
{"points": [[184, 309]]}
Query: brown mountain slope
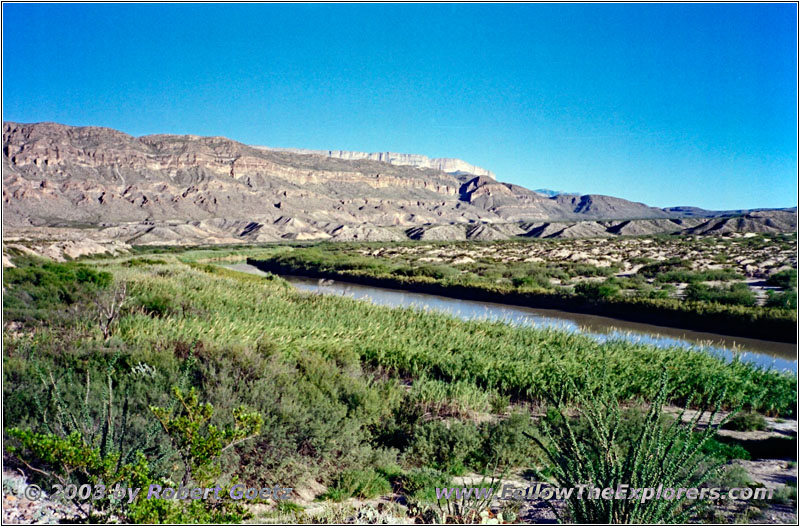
{"points": [[190, 189]]}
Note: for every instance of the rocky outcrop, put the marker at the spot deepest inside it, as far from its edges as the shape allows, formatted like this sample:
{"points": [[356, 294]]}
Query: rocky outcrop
{"points": [[760, 221], [189, 190], [601, 207], [485, 233], [444, 164], [437, 233]]}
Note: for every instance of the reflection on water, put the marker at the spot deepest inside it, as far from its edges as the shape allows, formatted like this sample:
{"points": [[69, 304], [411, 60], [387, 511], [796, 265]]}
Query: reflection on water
{"points": [[778, 355]]}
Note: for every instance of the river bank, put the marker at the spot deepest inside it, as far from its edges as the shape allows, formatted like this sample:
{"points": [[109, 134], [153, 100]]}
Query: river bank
{"points": [[723, 320]]}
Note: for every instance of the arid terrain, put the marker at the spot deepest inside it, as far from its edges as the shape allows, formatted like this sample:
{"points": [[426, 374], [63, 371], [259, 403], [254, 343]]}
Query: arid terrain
{"points": [[122, 339], [164, 189], [749, 257]]}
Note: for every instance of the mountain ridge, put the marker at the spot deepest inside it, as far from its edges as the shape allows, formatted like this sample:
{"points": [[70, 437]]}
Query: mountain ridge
{"points": [[188, 188], [445, 164]]}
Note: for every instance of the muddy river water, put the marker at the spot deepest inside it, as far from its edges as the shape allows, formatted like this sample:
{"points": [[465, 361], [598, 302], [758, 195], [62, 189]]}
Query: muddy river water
{"points": [[769, 354]]}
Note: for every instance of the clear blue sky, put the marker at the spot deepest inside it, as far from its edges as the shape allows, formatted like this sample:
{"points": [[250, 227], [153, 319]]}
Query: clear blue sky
{"points": [[670, 104]]}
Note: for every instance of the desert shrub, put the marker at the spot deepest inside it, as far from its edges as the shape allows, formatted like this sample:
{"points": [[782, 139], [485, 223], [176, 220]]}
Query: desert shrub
{"points": [[84, 456], [199, 442], [141, 262], [746, 422], [358, 483], [597, 290], [784, 279], [420, 483], [583, 269], [657, 455], [785, 494], [654, 269], [448, 446], [724, 451], [636, 282], [539, 281], [156, 305], [709, 275], [319, 416], [734, 294], [505, 443], [36, 289], [783, 300], [455, 446], [733, 476], [438, 272]]}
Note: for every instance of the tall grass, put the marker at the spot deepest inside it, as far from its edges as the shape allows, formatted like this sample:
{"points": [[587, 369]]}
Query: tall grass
{"points": [[523, 363]]}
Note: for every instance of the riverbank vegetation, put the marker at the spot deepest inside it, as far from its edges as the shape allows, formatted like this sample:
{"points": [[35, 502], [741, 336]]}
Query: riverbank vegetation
{"points": [[743, 286], [126, 359]]}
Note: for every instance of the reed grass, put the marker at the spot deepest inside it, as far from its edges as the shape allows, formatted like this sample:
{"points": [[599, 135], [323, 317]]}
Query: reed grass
{"points": [[227, 309]]}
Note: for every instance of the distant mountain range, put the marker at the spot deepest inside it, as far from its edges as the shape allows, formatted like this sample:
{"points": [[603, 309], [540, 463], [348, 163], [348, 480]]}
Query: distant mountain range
{"points": [[191, 189]]}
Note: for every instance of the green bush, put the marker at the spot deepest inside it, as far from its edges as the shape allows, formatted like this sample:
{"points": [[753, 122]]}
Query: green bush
{"points": [[581, 269], [653, 455], [35, 289], [358, 483], [724, 451], [157, 305], [597, 290], [438, 272], [536, 281], [783, 300], [709, 275], [450, 446], [142, 262], [735, 294], [421, 483], [784, 279], [746, 422], [83, 456], [654, 269], [505, 444]]}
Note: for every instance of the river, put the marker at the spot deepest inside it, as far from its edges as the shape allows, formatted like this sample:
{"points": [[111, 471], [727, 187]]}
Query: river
{"points": [[769, 354]]}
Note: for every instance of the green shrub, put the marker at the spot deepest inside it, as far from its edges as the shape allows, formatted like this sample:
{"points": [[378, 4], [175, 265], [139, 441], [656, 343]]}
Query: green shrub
{"points": [[786, 494], [582, 269], [36, 289], [709, 275], [654, 269], [358, 483], [783, 300], [505, 444], [785, 279], [536, 281], [597, 290], [746, 422], [157, 305], [724, 451], [142, 262], [421, 483], [438, 272], [735, 294], [656, 455], [449, 446], [83, 456]]}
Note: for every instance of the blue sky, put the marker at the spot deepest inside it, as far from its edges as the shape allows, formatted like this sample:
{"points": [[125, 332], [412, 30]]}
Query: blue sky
{"points": [[672, 104]]}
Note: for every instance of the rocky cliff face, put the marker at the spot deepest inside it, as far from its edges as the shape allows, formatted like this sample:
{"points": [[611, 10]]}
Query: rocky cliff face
{"points": [[444, 164], [190, 189]]}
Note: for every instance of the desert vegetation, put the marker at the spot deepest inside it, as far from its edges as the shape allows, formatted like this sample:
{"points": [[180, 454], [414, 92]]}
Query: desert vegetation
{"points": [[165, 368], [745, 284]]}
